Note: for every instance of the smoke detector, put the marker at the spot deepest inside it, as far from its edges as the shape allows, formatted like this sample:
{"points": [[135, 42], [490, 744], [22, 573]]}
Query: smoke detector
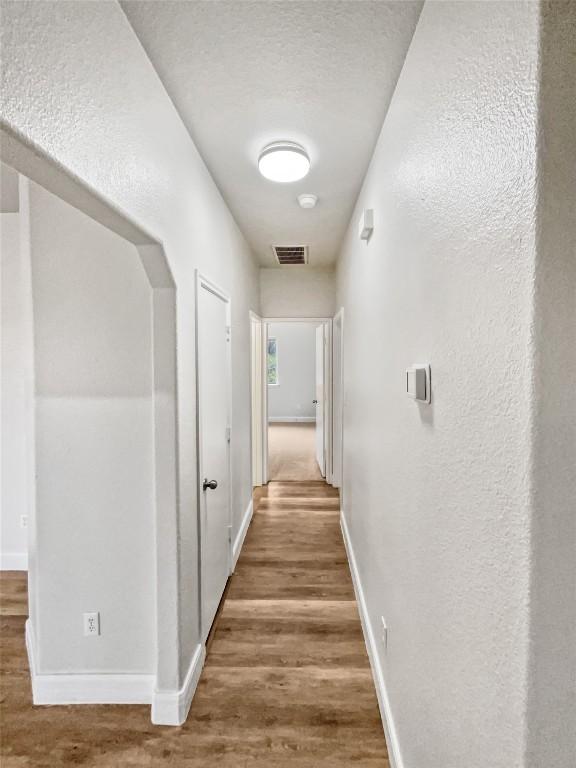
{"points": [[307, 200]]}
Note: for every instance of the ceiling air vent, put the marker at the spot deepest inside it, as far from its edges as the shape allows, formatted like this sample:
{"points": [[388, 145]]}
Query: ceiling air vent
{"points": [[291, 254]]}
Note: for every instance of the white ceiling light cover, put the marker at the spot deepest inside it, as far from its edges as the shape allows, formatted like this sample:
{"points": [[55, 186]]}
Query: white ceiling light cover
{"points": [[283, 161]]}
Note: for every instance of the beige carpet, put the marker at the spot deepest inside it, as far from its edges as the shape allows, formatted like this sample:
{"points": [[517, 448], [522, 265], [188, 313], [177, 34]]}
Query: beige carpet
{"points": [[292, 452]]}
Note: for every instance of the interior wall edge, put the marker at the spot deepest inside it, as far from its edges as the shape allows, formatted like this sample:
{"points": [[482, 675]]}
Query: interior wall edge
{"points": [[550, 737], [171, 707], [32, 161]]}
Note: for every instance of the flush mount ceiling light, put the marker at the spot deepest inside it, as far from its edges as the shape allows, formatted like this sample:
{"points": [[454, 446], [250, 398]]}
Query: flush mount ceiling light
{"points": [[307, 200], [283, 161]]}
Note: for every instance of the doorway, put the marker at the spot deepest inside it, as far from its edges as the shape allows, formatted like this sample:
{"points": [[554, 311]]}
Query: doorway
{"points": [[292, 424], [214, 471]]}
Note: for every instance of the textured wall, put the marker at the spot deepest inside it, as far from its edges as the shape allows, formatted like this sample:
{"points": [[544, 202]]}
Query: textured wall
{"points": [[437, 497], [297, 292], [297, 370], [77, 85]]}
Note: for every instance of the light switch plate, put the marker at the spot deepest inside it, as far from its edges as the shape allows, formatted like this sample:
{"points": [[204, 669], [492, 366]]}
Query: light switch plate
{"points": [[418, 382], [366, 225]]}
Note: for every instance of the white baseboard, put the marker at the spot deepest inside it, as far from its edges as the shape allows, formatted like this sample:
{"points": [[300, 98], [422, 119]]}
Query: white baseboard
{"points": [[278, 419], [171, 707], [13, 561], [82, 688], [241, 535], [394, 755]]}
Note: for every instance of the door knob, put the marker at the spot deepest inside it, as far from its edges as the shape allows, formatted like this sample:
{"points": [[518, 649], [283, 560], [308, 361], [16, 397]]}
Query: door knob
{"points": [[314, 402], [212, 484]]}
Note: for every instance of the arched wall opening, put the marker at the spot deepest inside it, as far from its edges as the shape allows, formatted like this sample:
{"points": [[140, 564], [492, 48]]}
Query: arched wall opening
{"points": [[104, 523]]}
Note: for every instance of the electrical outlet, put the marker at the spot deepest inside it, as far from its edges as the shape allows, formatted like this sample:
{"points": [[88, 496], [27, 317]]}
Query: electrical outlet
{"points": [[23, 521], [91, 624], [384, 632]]}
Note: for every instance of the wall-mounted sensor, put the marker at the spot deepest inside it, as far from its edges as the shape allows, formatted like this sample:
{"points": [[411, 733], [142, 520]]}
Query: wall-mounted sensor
{"points": [[418, 382], [366, 225], [307, 200]]}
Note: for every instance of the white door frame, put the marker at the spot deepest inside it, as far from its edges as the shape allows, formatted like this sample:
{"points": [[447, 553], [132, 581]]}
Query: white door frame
{"points": [[327, 389], [203, 282], [257, 400], [339, 317]]}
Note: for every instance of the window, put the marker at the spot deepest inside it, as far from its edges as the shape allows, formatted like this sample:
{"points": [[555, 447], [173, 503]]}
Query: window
{"points": [[272, 362]]}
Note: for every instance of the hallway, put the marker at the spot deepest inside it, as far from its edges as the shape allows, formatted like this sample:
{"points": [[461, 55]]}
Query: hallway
{"points": [[324, 250], [286, 680]]}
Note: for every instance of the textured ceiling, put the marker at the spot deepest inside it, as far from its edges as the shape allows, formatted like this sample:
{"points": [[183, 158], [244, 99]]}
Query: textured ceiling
{"points": [[243, 74]]}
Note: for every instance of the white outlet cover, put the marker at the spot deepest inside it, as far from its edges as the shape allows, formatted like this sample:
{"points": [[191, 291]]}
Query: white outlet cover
{"points": [[23, 521], [91, 624]]}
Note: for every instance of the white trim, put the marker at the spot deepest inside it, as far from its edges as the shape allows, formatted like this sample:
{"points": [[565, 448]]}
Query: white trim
{"points": [[172, 707], [264, 424], [86, 688], [328, 385], [13, 561], [278, 419], [257, 385], [392, 742], [241, 535], [338, 318], [296, 319]]}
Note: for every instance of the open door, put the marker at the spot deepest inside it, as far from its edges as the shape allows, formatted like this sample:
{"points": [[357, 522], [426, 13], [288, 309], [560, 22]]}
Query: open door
{"points": [[213, 366], [319, 400]]}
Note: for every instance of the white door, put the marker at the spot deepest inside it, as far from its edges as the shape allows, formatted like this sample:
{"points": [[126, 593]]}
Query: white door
{"points": [[319, 400], [213, 359]]}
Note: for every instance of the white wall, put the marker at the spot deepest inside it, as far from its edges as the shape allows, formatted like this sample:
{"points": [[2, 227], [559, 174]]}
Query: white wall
{"points": [[91, 104], [438, 498], [297, 291], [94, 434], [17, 384], [292, 397]]}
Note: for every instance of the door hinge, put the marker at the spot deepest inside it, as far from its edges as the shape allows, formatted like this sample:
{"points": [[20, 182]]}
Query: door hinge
{"points": [[230, 534], [228, 434]]}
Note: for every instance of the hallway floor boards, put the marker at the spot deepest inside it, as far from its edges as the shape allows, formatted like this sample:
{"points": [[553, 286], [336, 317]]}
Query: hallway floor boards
{"points": [[286, 682]]}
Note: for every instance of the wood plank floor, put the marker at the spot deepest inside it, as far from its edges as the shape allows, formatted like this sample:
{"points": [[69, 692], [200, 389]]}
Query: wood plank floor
{"points": [[286, 682]]}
